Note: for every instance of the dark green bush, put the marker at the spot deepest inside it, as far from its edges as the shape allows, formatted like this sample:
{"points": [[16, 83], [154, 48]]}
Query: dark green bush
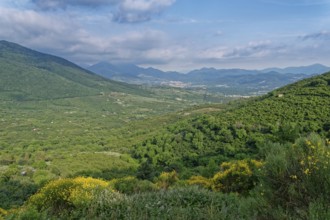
{"points": [[179, 203], [130, 185], [296, 177]]}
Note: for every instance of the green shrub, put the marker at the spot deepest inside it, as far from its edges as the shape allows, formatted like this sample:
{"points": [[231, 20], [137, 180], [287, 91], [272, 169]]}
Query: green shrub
{"points": [[178, 203], [319, 210], [28, 214], [296, 178], [167, 179], [130, 185], [13, 193], [105, 205], [236, 176], [64, 195]]}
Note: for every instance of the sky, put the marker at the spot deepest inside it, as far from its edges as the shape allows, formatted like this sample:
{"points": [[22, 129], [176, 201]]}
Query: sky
{"points": [[178, 35]]}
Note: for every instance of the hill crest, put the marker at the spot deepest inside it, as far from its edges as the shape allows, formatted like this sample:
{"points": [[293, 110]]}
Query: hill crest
{"points": [[30, 75]]}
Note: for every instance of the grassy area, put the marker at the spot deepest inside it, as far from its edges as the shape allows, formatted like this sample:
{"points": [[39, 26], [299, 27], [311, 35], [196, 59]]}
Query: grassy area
{"points": [[144, 147]]}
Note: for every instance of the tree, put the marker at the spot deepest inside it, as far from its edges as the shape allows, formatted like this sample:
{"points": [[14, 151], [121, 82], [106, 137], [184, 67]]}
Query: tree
{"points": [[167, 179], [146, 170]]}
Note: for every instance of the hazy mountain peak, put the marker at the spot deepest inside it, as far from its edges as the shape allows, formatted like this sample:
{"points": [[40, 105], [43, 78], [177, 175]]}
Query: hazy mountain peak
{"points": [[309, 70]]}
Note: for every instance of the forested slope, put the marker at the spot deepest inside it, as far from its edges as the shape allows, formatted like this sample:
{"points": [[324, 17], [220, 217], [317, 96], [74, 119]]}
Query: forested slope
{"points": [[280, 116], [266, 158]]}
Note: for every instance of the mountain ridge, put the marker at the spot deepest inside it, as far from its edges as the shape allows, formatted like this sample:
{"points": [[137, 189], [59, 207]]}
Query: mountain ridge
{"points": [[243, 128], [309, 70], [28, 74], [245, 82], [122, 68]]}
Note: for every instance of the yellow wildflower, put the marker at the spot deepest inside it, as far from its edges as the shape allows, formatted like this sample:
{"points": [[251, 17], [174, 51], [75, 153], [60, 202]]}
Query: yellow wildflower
{"points": [[307, 171], [327, 141], [294, 177]]}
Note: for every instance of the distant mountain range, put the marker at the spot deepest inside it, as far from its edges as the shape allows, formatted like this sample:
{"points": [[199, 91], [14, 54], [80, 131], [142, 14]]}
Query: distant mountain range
{"points": [[309, 70], [228, 81], [26, 74]]}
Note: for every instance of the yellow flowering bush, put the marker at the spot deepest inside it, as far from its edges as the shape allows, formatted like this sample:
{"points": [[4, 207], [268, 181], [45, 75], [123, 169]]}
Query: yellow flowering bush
{"points": [[298, 175], [3, 213], [67, 193], [315, 156], [200, 181], [236, 176], [167, 179]]}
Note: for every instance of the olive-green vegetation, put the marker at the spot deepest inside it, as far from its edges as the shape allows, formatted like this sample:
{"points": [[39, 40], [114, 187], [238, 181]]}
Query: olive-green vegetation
{"points": [[291, 182], [59, 120], [97, 149], [191, 145], [272, 167], [30, 75]]}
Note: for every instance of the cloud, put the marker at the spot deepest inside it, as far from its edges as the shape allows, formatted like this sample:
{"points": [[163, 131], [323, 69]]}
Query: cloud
{"points": [[123, 11], [218, 33], [322, 35], [132, 11], [29, 24], [297, 2], [140, 41], [58, 34], [255, 49], [85, 39], [48, 33], [252, 49], [55, 4]]}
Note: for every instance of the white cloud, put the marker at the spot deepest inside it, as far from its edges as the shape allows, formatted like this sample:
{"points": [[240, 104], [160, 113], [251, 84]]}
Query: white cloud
{"points": [[49, 33], [55, 4], [123, 11], [252, 49], [131, 11], [139, 40], [297, 2], [218, 33], [60, 35], [67, 35], [321, 35], [145, 5], [29, 25]]}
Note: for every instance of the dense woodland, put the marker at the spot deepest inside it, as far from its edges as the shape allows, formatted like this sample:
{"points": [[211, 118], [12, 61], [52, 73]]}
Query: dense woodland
{"points": [[242, 129], [160, 153]]}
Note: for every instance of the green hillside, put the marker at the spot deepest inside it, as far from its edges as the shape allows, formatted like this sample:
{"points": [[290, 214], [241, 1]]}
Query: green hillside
{"points": [[59, 120], [263, 158], [281, 116], [30, 75], [68, 106], [76, 146]]}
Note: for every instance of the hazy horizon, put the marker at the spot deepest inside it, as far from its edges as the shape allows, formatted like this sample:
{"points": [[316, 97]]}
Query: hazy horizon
{"points": [[173, 35], [203, 67]]}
